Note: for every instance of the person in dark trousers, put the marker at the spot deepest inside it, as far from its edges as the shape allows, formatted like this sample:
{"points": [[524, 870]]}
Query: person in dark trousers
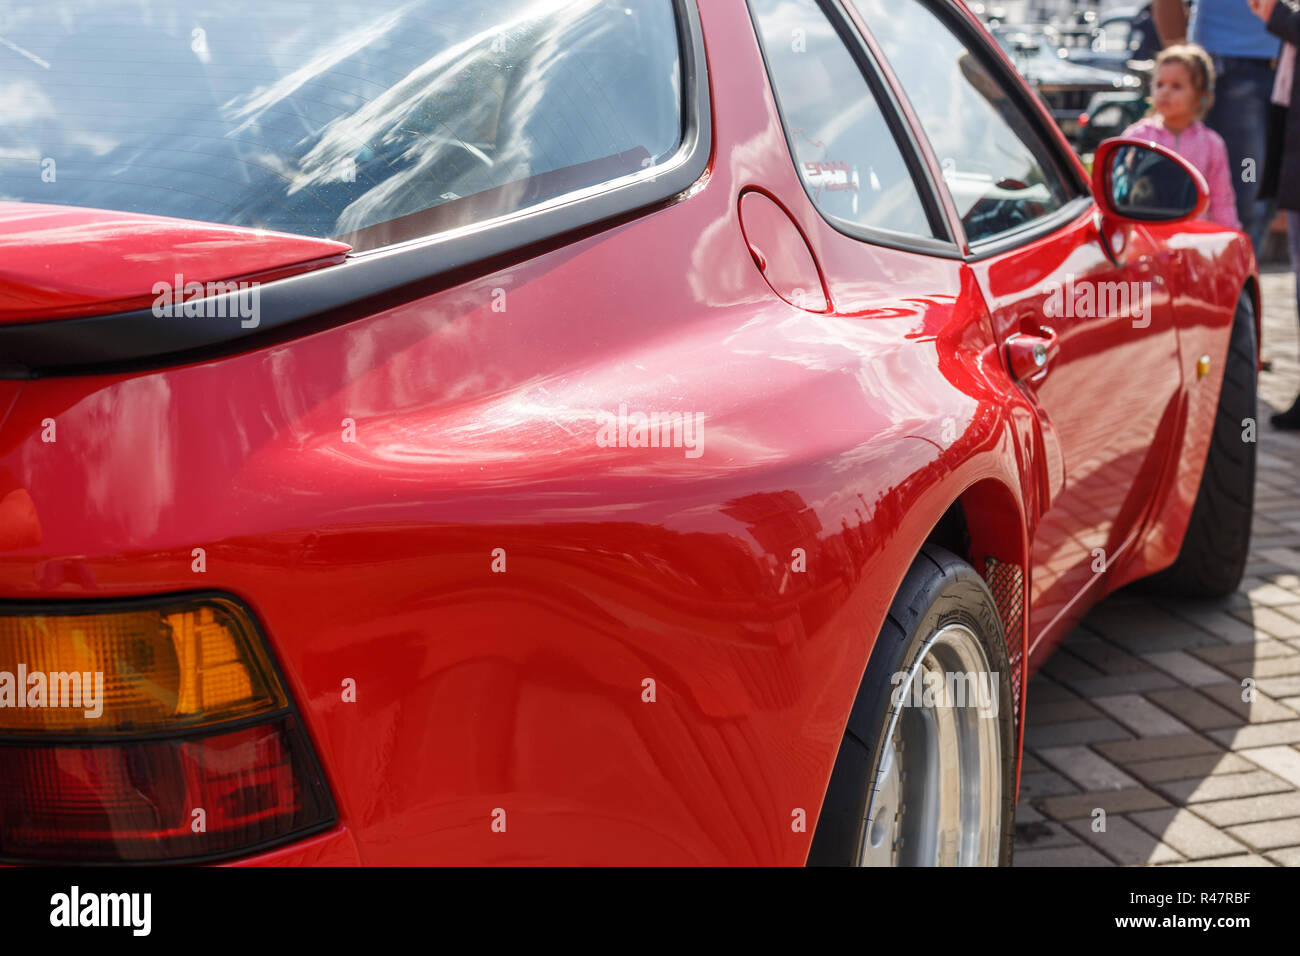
{"points": [[1282, 19]]}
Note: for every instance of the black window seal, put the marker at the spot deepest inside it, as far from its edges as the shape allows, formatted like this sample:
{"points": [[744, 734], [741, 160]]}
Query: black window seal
{"points": [[139, 340], [1016, 88], [1023, 235], [904, 139]]}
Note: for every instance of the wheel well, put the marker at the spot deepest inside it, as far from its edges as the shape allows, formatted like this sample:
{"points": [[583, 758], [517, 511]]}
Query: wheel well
{"points": [[984, 522], [984, 527]]}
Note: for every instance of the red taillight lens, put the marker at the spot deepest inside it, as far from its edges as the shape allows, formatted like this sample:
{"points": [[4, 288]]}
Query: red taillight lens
{"points": [[1083, 119], [147, 730], [123, 801]]}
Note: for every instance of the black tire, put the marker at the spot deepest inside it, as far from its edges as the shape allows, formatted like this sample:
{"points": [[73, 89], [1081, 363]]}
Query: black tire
{"points": [[1213, 555], [939, 589]]}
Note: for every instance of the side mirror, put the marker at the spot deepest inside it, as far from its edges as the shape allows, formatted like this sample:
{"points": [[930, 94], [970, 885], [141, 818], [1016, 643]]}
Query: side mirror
{"points": [[1138, 181]]}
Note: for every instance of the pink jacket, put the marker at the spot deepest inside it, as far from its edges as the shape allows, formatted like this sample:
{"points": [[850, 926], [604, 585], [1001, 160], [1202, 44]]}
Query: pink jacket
{"points": [[1204, 149]]}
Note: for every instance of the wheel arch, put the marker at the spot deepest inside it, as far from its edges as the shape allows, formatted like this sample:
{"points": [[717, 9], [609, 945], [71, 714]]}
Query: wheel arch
{"points": [[986, 528]]}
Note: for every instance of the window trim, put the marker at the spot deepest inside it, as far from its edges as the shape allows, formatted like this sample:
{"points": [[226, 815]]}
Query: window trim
{"points": [[1079, 191], [139, 340], [903, 134]]}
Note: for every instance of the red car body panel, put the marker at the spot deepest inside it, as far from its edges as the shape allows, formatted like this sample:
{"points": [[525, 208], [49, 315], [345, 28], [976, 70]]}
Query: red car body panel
{"points": [[847, 433], [120, 255]]}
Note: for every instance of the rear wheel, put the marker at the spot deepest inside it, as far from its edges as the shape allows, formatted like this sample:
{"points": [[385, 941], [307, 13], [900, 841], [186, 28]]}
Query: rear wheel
{"points": [[925, 772], [1213, 557]]}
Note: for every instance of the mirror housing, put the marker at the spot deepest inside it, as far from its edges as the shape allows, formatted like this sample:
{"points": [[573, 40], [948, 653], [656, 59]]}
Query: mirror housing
{"points": [[1137, 181]]}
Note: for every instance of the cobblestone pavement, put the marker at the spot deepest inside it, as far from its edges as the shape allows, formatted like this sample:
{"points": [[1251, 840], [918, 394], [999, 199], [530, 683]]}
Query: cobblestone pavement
{"points": [[1140, 711]]}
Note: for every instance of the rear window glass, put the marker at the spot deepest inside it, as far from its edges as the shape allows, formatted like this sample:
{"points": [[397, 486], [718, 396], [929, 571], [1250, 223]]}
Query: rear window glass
{"points": [[371, 122]]}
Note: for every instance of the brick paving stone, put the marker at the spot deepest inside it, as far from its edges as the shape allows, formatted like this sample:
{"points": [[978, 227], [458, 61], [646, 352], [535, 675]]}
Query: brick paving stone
{"points": [[1270, 835], [1226, 786], [1223, 654], [1070, 708], [1227, 628], [1125, 842], [1047, 784], [1108, 658], [1138, 619], [1184, 768], [1043, 834], [1258, 735], [1029, 763], [1065, 667], [1283, 666], [1270, 622], [1080, 855], [1248, 859], [1073, 732], [1286, 557], [1273, 806], [1188, 639], [1141, 716], [1088, 769], [1113, 802], [1137, 683], [1261, 710], [1193, 708], [1025, 813], [1280, 688], [1280, 761], [1186, 668], [1187, 833], [1268, 595], [1161, 748], [1042, 689]]}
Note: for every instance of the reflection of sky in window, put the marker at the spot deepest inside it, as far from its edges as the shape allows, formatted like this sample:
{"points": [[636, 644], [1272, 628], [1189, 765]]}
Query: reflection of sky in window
{"points": [[847, 155], [322, 119], [962, 107]]}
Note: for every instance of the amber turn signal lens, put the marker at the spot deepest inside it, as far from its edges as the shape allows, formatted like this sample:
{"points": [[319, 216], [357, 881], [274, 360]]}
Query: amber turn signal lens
{"points": [[172, 664]]}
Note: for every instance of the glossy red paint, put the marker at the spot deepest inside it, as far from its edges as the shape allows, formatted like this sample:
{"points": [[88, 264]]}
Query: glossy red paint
{"points": [[60, 262], [848, 433]]}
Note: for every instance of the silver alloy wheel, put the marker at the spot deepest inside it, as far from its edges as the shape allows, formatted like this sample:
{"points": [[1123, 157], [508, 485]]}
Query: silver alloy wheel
{"points": [[938, 794]]}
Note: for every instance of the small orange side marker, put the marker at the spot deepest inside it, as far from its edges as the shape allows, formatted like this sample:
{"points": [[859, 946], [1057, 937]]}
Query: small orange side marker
{"points": [[1202, 366]]}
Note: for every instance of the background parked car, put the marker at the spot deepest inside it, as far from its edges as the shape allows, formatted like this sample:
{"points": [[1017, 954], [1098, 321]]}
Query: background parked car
{"points": [[1067, 87], [1109, 114], [1119, 38]]}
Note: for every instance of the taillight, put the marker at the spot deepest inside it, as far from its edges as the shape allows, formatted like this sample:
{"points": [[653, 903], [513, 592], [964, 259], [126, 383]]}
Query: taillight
{"points": [[147, 731]]}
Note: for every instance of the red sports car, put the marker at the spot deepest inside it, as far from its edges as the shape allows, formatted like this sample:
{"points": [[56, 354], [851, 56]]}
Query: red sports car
{"points": [[574, 431]]}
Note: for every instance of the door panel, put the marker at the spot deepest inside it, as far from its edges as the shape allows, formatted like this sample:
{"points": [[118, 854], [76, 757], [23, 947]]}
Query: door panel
{"points": [[1110, 394]]}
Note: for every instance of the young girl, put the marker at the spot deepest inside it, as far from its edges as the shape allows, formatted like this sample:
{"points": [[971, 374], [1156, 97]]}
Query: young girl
{"points": [[1181, 93]]}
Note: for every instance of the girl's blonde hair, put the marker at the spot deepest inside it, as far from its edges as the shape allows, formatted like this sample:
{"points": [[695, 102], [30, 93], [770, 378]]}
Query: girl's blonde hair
{"points": [[1198, 64]]}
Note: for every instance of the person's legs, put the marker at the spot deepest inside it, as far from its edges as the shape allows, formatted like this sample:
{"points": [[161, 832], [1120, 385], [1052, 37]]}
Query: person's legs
{"points": [[1240, 115], [1290, 419]]}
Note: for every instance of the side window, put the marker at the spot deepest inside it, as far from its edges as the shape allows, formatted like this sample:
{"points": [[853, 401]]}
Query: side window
{"points": [[999, 173], [848, 158]]}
